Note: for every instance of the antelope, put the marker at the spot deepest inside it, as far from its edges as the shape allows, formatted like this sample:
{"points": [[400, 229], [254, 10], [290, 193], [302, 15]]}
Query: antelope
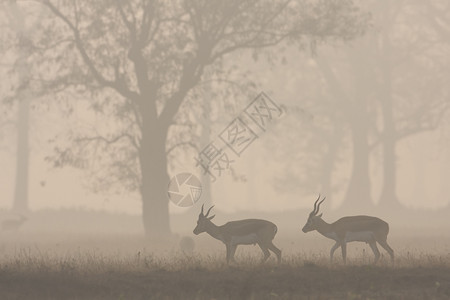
{"points": [[350, 229], [242, 232]]}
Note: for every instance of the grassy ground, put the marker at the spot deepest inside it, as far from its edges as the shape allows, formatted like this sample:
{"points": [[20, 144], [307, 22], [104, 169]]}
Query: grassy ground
{"points": [[126, 266], [67, 255], [30, 274]]}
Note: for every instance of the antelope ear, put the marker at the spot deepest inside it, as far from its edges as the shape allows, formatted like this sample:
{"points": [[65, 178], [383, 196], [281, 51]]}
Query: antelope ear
{"points": [[210, 218], [320, 216]]}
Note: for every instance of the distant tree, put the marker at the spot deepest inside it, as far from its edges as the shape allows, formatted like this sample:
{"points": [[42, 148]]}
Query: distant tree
{"points": [[17, 89], [370, 95], [354, 93], [405, 65], [387, 100]]}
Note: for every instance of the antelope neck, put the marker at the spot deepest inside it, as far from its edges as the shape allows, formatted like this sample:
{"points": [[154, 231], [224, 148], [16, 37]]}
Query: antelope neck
{"points": [[213, 230], [323, 227]]}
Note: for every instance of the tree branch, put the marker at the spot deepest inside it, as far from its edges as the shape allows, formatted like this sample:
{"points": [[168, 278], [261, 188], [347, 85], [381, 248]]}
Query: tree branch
{"points": [[118, 84], [111, 141], [181, 144]]}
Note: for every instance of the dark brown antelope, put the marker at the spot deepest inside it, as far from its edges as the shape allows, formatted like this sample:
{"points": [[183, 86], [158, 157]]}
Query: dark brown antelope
{"points": [[243, 232], [350, 229]]}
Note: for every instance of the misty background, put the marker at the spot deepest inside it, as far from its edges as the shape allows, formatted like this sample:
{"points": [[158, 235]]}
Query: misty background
{"points": [[102, 103]]}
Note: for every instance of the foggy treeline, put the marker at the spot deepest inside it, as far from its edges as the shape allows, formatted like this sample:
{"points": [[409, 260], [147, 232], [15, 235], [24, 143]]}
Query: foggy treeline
{"points": [[128, 92]]}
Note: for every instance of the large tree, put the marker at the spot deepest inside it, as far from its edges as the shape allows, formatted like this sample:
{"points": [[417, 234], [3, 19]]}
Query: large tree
{"points": [[139, 61]]}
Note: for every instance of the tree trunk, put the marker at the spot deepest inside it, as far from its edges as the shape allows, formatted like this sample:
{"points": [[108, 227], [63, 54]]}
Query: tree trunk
{"points": [[358, 190], [358, 198], [20, 204], [205, 139], [388, 198], [155, 177], [329, 163], [17, 22]]}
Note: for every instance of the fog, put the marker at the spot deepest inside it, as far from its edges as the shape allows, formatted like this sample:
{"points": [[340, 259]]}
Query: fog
{"points": [[121, 122]]}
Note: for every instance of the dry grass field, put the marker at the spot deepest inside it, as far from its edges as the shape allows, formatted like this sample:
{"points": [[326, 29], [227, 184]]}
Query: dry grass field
{"points": [[75, 266]]}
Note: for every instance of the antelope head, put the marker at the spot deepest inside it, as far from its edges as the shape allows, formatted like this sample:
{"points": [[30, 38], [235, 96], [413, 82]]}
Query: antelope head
{"points": [[312, 222], [203, 221]]}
